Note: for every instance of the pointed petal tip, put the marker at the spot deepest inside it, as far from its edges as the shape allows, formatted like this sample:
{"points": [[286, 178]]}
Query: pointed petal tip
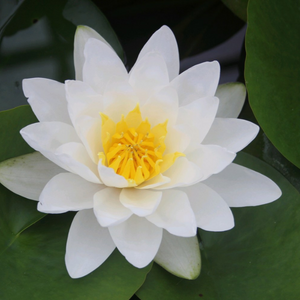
{"points": [[139, 264], [166, 28], [74, 272], [83, 29], [277, 191], [180, 256]]}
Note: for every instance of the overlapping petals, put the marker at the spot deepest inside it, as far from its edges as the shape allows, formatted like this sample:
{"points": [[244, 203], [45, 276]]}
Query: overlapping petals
{"points": [[145, 157]]}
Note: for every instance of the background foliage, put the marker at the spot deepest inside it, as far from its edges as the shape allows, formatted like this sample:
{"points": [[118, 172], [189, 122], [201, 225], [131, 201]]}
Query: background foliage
{"points": [[259, 258]]}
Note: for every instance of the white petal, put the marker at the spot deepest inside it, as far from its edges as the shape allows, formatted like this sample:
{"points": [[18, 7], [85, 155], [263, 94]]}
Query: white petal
{"points": [[154, 182], [88, 245], [47, 99], [196, 118], [28, 174], [75, 156], [110, 178], [119, 99], [46, 137], [175, 214], [232, 97], [108, 208], [211, 159], [84, 106], [177, 141], [179, 255], [82, 100], [211, 211], [197, 82], [83, 33], [89, 130], [182, 173], [240, 186], [161, 106], [140, 202], [148, 75], [101, 65], [137, 239], [68, 192], [163, 41], [232, 134]]}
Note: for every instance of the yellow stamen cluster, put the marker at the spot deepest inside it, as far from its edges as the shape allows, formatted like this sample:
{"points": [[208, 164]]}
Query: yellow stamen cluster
{"points": [[133, 149]]}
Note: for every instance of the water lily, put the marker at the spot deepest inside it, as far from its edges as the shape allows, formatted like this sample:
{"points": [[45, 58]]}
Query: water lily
{"points": [[145, 157]]}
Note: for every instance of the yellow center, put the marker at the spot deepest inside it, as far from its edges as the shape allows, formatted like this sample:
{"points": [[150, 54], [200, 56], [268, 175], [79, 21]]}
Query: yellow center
{"points": [[133, 149]]}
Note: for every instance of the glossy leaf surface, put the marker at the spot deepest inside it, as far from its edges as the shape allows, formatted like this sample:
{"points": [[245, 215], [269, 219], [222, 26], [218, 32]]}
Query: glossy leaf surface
{"points": [[257, 259], [273, 72]]}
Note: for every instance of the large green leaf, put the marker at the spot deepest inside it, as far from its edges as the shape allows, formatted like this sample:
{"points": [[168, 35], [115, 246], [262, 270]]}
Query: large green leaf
{"points": [[11, 122], [263, 149], [258, 259], [32, 265], [38, 42], [273, 72]]}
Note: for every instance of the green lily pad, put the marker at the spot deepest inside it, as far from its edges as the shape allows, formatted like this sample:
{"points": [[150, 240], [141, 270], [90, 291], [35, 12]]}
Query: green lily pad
{"points": [[258, 259], [32, 266], [263, 149], [11, 122], [273, 72]]}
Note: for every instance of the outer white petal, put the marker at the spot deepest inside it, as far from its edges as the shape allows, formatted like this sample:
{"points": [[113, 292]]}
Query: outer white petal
{"points": [[101, 65], [154, 182], [232, 134], [140, 202], [211, 211], [182, 173], [211, 159], [88, 245], [196, 118], [161, 106], [28, 174], [163, 41], [68, 192], [179, 255], [240, 186], [108, 208], [232, 97], [137, 239], [75, 156], [149, 75], [46, 137], [110, 178], [175, 214], [47, 99], [197, 82], [82, 34]]}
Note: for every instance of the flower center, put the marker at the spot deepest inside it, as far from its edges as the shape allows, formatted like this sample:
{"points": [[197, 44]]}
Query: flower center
{"points": [[133, 149]]}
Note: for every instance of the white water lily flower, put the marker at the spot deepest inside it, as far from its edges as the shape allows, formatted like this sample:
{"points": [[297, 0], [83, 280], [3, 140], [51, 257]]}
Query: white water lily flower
{"points": [[145, 157]]}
